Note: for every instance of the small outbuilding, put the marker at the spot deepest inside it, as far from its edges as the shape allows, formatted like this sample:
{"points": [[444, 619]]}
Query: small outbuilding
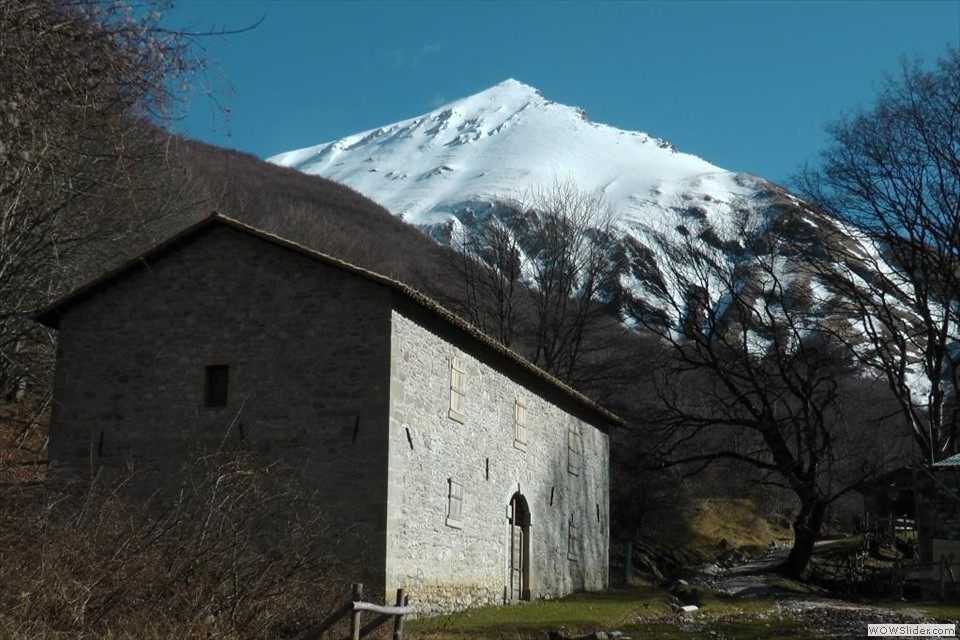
{"points": [[471, 476], [938, 513]]}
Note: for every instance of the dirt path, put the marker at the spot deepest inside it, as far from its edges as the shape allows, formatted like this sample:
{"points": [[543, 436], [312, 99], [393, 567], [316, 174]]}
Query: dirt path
{"points": [[822, 614]]}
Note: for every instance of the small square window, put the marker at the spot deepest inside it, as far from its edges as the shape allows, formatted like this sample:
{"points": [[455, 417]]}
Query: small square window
{"points": [[574, 449], [455, 504], [457, 390], [520, 424], [216, 385]]}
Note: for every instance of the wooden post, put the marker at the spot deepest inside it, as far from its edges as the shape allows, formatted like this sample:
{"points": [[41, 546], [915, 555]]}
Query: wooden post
{"points": [[355, 616], [943, 577], [894, 579], [953, 579], [402, 601], [355, 608]]}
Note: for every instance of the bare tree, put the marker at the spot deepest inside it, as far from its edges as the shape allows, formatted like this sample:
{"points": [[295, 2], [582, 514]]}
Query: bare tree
{"points": [[540, 273], [490, 263], [570, 237], [82, 162], [747, 376], [892, 174]]}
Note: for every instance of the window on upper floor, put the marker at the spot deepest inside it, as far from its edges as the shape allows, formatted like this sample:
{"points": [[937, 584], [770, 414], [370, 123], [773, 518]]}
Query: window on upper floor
{"points": [[454, 504], [520, 424], [216, 385], [458, 394], [574, 448]]}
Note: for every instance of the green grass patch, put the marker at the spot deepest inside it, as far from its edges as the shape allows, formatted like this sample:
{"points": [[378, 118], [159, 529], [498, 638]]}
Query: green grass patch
{"points": [[581, 611], [640, 612]]}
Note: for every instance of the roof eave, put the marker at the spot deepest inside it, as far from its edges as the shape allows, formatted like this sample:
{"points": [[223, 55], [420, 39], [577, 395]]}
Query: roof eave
{"points": [[50, 315]]}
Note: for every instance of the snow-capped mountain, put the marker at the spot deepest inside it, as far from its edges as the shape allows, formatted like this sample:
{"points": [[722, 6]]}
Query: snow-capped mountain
{"points": [[694, 248], [504, 142], [444, 169]]}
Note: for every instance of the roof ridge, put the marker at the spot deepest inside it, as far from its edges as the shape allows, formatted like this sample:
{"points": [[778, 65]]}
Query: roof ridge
{"points": [[50, 314]]}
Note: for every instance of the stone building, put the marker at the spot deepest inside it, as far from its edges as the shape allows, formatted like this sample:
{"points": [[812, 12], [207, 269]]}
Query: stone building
{"points": [[938, 512], [471, 476]]}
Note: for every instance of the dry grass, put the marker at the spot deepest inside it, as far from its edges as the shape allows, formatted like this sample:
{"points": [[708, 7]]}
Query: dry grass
{"points": [[736, 520], [23, 443], [241, 553], [709, 526]]}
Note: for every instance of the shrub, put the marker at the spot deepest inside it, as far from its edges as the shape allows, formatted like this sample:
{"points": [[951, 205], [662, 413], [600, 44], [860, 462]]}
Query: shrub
{"points": [[241, 552]]}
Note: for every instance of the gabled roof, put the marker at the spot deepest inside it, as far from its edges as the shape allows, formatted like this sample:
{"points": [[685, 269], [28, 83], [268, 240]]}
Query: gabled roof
{"points": [[50, 316]]}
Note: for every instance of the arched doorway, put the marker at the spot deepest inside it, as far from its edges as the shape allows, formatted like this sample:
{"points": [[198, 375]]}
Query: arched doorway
{"points": [[519, 551]]}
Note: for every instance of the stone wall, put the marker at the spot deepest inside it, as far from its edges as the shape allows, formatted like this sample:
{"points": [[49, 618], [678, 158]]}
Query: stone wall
{"points": [[448, 565], [324, 377], [307, 347]]}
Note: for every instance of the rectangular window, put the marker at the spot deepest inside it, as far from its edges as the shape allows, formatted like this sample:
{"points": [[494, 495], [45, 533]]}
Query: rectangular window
{"points": [[457, 390], [216, 385], [573, 539], [574, 448], [455, 504], [520, 424]]}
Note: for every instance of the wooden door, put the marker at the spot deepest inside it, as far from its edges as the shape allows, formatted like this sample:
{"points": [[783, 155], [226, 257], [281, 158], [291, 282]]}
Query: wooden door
{"points": [[519, 578]]}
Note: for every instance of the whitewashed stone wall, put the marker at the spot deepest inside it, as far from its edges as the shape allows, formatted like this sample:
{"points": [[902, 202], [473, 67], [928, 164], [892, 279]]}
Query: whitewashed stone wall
{"points": [[448, 568]]}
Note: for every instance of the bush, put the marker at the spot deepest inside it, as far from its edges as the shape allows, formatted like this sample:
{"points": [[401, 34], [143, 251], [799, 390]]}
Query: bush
{"points": [[241, 552]]}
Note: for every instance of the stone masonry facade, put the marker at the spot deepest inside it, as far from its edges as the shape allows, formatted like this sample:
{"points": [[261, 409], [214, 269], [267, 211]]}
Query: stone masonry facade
{"points": [[454, 565], [348, 378], [306, 346]]}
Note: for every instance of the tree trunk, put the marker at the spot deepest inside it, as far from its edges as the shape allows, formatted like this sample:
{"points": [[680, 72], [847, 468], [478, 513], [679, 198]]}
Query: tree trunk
{"points": [[806, 530]]}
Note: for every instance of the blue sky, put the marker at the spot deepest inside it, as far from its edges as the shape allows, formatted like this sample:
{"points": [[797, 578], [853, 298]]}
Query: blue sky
{"points": [[748, 86]]}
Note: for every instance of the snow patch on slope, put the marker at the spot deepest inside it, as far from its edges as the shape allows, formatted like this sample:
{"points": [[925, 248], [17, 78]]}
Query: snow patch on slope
{"points": [[443, 170], [504, 142]]}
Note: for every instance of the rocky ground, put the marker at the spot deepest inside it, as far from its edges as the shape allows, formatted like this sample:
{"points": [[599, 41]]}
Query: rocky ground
{"points": [[823, 615], [830, 618]]}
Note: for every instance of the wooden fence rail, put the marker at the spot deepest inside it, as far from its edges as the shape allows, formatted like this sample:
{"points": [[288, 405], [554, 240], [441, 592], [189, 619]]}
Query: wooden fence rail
{"points": [[355, 608]]}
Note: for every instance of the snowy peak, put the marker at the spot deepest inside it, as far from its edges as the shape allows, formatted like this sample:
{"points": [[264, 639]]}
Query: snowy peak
{"points": [[443, 171], [501, 142], [462, 121], [506, 92], [514, 85]]}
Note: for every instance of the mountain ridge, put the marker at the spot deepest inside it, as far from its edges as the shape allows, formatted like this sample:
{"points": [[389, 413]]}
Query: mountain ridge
{"points": [[446, 171], [499, 143]]}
